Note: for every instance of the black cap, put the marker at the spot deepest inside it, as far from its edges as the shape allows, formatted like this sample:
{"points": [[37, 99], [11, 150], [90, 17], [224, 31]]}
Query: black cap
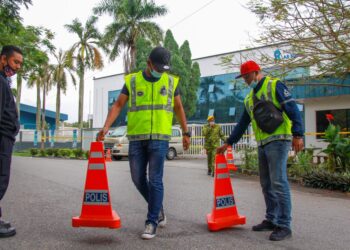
{"points": [[160, 58]]}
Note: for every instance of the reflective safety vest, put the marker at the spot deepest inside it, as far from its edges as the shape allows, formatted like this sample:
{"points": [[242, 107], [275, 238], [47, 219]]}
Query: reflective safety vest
{"points": [[150, 107], [268, 92]]}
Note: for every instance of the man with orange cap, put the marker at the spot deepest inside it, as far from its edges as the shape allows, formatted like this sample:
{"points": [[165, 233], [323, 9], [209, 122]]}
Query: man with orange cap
{"points": [[274, 143], [212, 134]]}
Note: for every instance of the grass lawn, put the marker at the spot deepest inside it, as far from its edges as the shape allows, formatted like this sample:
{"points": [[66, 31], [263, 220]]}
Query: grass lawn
{"points": [[21, 153]]}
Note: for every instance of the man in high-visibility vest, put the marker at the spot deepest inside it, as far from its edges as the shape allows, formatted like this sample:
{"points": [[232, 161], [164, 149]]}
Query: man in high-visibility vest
{"points": [[273, 147], [212, 134], [152, 96]]}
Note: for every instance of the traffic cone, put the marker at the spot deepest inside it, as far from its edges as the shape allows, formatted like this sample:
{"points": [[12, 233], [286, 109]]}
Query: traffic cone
{"points": [[230, 160], [108, 155], [224, 212], [97, 209]]}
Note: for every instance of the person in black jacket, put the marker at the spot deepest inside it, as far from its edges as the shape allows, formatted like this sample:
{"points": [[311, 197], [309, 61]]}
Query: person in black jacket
{"points": [[11, 59]]}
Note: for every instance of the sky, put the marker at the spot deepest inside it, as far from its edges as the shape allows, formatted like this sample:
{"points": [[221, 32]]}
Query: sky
{"points": [[211, 27]]}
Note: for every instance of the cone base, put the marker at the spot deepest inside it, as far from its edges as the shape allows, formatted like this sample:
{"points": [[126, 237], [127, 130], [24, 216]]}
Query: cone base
{"points": [[232, 168], [109, 222], [226, 222]]}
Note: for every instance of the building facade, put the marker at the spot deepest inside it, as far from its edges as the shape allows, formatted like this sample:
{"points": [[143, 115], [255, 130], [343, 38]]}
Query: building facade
{"points": [[28, 117], [219, 94]]}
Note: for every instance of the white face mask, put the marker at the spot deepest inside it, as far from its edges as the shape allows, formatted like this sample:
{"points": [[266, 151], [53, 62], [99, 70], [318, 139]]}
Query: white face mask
{"points": [[211, 123]]}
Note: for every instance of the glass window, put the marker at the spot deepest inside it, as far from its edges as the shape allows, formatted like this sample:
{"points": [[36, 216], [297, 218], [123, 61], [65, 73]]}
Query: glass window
{"points": [[232, 111], [121, 120], [175, 133], [118, 132], [341, 118], [300, 107], [211, 88], [211, 112]]}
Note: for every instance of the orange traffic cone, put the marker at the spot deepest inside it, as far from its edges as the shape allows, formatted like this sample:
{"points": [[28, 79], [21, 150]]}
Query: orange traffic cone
{"points": [[224, 212], [108, 155], [229, 158], [97, 209]]}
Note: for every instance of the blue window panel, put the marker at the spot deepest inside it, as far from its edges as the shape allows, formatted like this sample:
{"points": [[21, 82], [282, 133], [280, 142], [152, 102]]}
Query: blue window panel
{"points": [[232, 111], [211, 88], [300, 107], [211, 112]]}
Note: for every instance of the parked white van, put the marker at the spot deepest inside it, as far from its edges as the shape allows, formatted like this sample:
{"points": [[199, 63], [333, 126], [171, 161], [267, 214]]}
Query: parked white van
{"points": [[118, 143]]}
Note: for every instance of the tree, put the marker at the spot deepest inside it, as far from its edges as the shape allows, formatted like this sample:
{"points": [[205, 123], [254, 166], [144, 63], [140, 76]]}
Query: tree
{"points": [[35, 43], [189, 73], [34, 80], [12, 7], [130, 21], [86, 54], [41, 77], [61, 69], [143, 48], [317, 31]]}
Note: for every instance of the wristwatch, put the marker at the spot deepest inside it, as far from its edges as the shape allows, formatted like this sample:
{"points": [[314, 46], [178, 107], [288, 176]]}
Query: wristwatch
{"points": [[188, 134]]}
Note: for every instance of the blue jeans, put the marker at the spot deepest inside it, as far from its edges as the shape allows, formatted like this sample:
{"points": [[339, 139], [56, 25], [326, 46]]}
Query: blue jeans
{"points": [[152, 153], [273, 179]]}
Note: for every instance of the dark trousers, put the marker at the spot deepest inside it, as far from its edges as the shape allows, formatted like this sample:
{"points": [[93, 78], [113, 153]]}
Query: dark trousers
{"points": [[6, 147]]}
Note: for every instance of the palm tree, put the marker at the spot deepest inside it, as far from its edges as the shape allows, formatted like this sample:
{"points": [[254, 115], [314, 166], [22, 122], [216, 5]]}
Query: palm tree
{"points": [[36, 42], [60, 71], [41, 78], [86, 54], [130, 20], [35, 80]]}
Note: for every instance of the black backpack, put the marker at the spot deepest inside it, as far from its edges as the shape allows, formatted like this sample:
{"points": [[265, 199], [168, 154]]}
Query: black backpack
{"points": [[267, 116]]}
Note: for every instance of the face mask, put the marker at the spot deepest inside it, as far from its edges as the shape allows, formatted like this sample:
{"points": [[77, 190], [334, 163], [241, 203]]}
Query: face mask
{"points": [[156, 74], [211, 123], [9, 71], [253, 84]]}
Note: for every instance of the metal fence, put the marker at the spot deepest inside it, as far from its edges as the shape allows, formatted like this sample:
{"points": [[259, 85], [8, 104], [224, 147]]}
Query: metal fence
{"points": [[29, 138], [82, 139], [198, 140]]}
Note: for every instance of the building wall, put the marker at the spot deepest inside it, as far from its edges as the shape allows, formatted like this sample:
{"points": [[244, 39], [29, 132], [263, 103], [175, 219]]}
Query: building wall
{"points": [[101, 88], [317, 104], [28, 119]]}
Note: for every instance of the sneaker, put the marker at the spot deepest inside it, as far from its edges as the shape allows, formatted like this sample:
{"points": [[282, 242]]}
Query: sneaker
{"points": [[162, 218], [5, 224], [280, 233], [150, 232], [7, 232], [265, 225]]}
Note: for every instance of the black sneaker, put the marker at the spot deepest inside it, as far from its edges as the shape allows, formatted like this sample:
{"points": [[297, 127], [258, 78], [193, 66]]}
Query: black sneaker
{"points": [[265, 225], [7, 232], [150, 232], [162, 218], [280, 233], [5, 224]]}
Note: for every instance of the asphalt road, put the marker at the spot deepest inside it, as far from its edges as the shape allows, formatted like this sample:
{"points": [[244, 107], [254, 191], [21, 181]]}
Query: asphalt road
{"points": [[44, 194]]}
